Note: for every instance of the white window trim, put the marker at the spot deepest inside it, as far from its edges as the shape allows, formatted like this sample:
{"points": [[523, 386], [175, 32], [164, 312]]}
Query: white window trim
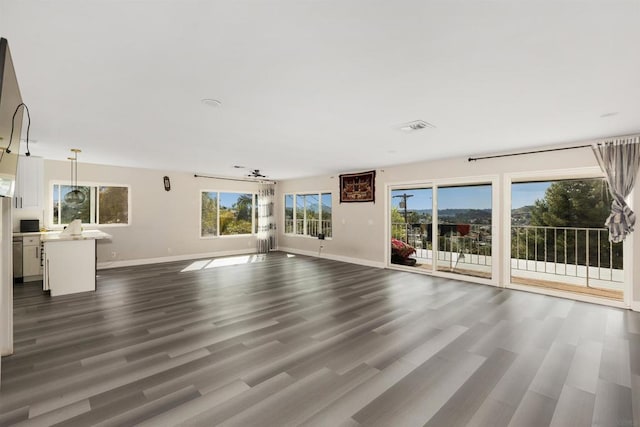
{"points": [[92, 184], [295, 208], [227, 236]]}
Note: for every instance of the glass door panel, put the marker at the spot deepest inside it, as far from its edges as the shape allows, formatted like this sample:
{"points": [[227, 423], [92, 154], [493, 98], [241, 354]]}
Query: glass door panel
{"points": [[559, 241], [464, 229], [411, 218]]}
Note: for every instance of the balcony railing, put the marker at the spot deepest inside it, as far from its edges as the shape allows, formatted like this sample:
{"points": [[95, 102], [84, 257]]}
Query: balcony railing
{"points": [[309, 227], [473, 246], [583, 253], [573, 255]]}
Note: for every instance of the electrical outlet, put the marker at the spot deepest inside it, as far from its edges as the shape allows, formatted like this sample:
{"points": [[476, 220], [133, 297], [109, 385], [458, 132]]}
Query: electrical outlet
{"points": [[113, 254]]}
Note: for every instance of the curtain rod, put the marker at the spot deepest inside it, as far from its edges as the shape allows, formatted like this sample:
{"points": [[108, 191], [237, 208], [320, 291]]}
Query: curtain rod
{"points": [[235, 179], [473, 159]]}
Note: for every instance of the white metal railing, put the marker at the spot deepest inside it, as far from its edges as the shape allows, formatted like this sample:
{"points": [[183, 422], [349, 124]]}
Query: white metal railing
{"points": [[570, 254], [470, 245], [584, 253], [309, 227]]}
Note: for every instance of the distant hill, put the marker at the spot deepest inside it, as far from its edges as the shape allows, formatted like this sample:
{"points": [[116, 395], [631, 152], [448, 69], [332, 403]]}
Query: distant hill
{"points": [[451, 212], [519, 216], [458, 216]]}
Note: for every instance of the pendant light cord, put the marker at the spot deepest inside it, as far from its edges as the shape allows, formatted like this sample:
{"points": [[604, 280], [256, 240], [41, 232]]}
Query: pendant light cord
{"points": [[74, 171], [75, 176], [71, 178], [13, 123]]}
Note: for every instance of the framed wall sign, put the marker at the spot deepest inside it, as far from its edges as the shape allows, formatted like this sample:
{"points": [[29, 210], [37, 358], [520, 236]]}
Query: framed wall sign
{"points": [[358, 187]]}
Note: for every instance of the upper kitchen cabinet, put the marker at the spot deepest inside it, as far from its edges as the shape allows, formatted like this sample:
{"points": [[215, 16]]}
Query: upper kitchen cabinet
{"points": [[29, 183]]}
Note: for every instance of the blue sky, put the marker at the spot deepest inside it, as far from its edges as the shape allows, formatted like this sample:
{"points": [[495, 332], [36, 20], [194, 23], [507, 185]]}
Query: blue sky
{"points": [[471, 197], [475, 197], [526, 193], [227, 199]]}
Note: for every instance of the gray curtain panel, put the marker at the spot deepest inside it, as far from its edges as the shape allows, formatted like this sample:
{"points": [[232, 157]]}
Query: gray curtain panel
{"points": [[619, 159]]}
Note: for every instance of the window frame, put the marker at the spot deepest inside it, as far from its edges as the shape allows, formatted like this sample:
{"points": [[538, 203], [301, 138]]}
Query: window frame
{"points": [[254, 209], [95, 207], [304, 234]]}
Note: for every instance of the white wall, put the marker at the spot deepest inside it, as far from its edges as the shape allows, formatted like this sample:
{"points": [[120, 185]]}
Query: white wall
{"points": [[163, 225], [359, 229]]}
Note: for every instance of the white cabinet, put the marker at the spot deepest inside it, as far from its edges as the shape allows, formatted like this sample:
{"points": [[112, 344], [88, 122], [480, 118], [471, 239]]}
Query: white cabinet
{"points": [[29, 183], [70, 266], [31, 265]]}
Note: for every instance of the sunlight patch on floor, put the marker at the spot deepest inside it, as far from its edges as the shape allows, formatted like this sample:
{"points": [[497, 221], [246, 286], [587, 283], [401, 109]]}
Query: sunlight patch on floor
{"points": [[222, 262]]}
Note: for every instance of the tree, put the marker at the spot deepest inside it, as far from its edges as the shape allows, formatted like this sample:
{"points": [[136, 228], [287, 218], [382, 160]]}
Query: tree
{"points": [[209, 215], [576, 209], [113, 205], [243, 207], [398, 228], [574, 203]]}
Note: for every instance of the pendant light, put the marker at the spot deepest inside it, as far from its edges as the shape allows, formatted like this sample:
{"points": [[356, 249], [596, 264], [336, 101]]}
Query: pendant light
{"points": [[74, 197]]}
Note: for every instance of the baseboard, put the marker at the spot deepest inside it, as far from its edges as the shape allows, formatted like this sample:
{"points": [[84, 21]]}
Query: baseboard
{"points": [[333, 257], [158, 260]]}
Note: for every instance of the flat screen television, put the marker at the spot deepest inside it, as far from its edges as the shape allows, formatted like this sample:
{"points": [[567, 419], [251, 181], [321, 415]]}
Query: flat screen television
{"points": [[10, 98]]}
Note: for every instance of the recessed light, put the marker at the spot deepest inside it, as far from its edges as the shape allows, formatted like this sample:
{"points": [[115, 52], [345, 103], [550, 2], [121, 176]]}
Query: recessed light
{"points": [[415, 125], [211, 102], [615, 113]]}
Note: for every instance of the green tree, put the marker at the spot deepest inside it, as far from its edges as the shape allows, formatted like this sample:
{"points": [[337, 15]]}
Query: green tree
{"points": [[114, 205], [209, 215], [398, 228], [576, 209], [243, 207], [574, 203]]}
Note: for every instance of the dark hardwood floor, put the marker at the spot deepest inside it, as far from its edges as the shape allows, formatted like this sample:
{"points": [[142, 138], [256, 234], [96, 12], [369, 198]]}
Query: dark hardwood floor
{"points": [[306, 341]]}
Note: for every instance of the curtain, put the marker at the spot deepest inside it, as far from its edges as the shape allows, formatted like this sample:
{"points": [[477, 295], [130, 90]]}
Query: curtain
{"points": [[266, 219], [619, 159]]}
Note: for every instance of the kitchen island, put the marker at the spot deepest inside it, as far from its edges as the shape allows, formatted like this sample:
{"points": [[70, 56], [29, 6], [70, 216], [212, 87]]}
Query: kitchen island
{"points": [[70, 261]]}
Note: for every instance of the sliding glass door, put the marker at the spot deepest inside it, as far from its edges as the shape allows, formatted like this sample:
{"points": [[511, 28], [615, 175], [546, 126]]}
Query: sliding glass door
{"points": [[457, 239]]}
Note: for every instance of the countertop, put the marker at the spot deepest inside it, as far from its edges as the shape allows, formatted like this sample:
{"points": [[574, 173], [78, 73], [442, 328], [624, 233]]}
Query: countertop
{"points": [[49, 236], [32, 233], [86, 235]]}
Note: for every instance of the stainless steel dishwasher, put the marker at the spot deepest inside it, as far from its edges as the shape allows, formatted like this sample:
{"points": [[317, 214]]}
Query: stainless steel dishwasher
{"points": [[17, 259]]}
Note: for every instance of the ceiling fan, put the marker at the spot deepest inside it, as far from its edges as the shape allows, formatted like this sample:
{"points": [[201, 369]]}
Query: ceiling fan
{"points": [[256, 174]]}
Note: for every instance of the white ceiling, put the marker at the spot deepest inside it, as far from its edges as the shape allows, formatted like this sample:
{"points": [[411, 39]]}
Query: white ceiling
{"points": [[311, 87]]}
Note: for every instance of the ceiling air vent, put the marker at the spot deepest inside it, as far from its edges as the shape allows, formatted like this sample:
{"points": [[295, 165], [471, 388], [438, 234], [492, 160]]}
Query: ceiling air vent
{"points": [[415, 125]]}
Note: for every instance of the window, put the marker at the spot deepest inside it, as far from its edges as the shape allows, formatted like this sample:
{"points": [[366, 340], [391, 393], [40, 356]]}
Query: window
{"points": [[103, 204], [227, 214], [308, 214]]}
